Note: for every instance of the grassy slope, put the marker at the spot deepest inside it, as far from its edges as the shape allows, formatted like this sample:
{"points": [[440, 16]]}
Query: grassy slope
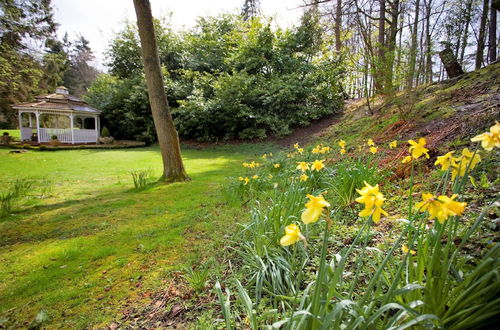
{"points": [[443, 112], [94, 244]]}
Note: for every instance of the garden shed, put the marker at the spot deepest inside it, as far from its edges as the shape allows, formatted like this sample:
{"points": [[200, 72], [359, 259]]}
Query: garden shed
{"points": [[59, 114]]}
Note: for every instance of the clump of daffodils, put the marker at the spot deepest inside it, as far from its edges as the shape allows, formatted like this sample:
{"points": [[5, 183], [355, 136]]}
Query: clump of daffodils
{"points": [[372, 199], [440, 208], [459, 165], [491, 139], [253, 164], [314, 209]]}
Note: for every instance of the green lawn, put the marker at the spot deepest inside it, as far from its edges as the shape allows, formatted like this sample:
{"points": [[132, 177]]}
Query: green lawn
{"points": [[90, 243], [15, 133]]}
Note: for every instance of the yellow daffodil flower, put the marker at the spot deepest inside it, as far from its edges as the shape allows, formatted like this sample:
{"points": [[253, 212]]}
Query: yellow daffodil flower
{"points": [[303, 166], [300, 150], [491, 139], [407, 159], [370, 142], [314, 209], [245, 164], [446, 161], [240, 178], [296, 145], [373, 199], [276, 165], [405, 250], [325, 150], [304, 177], [255, 176], [342, 144], [373, 150], [264, 156], [317, 165], [270, 154], [292, 235], [316, 150], [342, 151], [247, 180], [418, 149], [441, 207], [393, 144], [467, 160]]}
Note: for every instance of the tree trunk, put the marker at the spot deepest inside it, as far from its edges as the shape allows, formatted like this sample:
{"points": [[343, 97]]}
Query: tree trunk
{"points": [[492, 44], [467, 15], [380, 63], [413, 48], [453, 68], [338, 26], [391, 47], [482, 32], [173, 168], [428, 45]]}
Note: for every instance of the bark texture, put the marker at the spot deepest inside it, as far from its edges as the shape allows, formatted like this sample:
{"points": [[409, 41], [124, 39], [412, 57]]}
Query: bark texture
{"points": [[482, 33], [173, 168], [453, 68]]}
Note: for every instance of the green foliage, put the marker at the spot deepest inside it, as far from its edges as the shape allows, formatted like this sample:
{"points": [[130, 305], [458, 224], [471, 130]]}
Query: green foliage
{"points": [[225, 79], [197, 277], [141, 178], [105, 132], [14, 190]]}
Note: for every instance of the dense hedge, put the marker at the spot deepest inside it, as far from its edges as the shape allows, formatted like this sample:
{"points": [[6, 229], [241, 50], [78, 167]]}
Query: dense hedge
{"points": [[225, 79]]}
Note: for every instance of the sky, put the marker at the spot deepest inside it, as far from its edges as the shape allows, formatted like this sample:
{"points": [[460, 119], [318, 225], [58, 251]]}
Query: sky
{"points": [[98, 20]]}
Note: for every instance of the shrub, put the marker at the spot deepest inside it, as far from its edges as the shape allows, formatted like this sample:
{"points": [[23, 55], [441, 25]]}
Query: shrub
{"points": [[105, 132], [53, 137]]}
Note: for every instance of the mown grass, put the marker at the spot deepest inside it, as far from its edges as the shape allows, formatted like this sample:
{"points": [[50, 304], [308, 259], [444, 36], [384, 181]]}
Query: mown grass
{"points": [[92, 243]]}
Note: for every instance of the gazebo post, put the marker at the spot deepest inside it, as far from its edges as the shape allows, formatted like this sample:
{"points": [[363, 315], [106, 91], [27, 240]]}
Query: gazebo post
{"points": [[29, 118], [21, 124], [72, 129], [96, 130], [37, 115]]}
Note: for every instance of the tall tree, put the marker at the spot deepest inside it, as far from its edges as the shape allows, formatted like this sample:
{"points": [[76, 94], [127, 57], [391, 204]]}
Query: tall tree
{"points": [[250, 9], [413, 48], [492, 39], [338, 26], [381, 62], [168, 139], [481, 37]]}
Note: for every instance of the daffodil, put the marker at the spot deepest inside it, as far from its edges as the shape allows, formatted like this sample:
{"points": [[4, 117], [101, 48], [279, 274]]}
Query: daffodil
{"points": [[468, 160], [314, 208], [440, 208], [405, 250], [407, 159], [300, 150], [296, 145], [317, 165], [418, 149], [303, 166], [491, 139], [325, 150], [370, 142], [373, 150], [316, 150], [276, 165], [245, 164], [255, 176], [372, 199], [304, 177], [446, 161], [292, 235], [342, 151], [264, 156], [393, 144], [240, 178], [247, 180], [342, 144]]}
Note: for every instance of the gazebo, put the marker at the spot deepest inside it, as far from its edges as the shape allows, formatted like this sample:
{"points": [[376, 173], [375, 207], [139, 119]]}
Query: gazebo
{"points": [[59, 114]]}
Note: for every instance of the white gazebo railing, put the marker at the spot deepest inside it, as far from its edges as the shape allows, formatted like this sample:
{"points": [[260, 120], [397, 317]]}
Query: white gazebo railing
{"points": [[85, 135], [63, 134], [26, 133]]}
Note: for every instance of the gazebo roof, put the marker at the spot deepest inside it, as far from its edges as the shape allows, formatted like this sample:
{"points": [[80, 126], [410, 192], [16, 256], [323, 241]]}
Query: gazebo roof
{"points": [[61, 100]]}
